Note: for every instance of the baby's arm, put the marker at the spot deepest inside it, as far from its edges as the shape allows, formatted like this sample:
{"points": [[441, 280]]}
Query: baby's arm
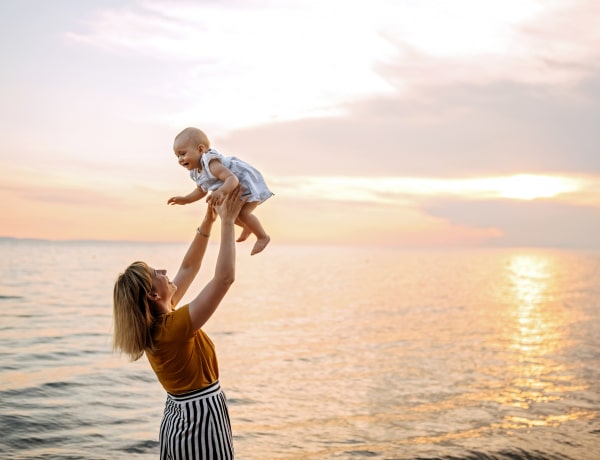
{"points": [[195, 195], [230, 182]]}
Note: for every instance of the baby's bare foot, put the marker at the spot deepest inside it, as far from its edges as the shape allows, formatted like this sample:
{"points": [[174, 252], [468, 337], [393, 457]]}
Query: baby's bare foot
{"points": [[245, 234], [260, 244]]}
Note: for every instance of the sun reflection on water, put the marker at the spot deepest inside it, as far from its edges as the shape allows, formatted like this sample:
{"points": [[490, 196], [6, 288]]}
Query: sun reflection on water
{"points": [[536, 333], [537, 337]]}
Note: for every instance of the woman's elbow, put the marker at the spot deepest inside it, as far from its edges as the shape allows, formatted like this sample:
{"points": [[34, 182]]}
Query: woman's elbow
{"points": [[226, 279]]}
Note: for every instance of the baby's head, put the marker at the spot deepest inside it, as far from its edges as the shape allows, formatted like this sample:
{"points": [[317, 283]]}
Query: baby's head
{"points": [[189, 145], [192, 137]]}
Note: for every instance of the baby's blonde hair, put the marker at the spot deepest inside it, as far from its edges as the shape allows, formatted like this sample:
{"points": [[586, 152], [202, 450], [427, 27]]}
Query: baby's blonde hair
{"points": [[132, 313], [195, 135]]}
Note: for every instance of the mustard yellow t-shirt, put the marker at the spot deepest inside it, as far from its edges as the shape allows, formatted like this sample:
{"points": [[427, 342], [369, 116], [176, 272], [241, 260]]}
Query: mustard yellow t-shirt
{"points": [[184, 359]]}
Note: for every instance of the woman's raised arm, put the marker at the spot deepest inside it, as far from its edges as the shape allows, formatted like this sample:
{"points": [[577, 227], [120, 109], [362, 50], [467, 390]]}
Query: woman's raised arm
{"points": [[190, 265], [207, 301]]}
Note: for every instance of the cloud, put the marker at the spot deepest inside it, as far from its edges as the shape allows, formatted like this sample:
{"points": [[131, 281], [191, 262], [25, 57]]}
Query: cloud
{"points": [[73, 197], [550, 43], [531, 223], [454, 131], [239, 64], [406, 190]]}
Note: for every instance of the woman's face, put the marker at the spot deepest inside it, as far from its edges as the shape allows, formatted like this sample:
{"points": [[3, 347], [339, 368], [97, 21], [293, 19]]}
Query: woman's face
{"points": [[161, 284]]}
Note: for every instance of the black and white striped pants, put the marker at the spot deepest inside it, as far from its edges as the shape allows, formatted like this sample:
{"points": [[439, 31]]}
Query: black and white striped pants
{"points": [[196, 425]]}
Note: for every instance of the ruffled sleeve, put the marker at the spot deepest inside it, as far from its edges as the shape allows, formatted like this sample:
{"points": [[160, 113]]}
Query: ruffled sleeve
{"points": [[209, 156]]}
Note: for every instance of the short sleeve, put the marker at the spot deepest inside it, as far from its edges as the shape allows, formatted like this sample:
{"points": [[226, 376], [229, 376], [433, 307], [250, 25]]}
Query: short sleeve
{"points": [[207, 158], [177, 325]]}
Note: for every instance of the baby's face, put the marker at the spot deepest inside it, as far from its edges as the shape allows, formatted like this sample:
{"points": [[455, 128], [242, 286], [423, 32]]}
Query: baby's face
{"points": [[188, 154]]}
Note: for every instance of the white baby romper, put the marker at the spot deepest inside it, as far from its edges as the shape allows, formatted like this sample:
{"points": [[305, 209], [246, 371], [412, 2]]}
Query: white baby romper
{"points": [[252, 181]]}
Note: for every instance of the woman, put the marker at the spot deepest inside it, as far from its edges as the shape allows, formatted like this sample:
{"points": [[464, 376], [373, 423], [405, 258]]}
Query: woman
{"points": [[195, 423]]}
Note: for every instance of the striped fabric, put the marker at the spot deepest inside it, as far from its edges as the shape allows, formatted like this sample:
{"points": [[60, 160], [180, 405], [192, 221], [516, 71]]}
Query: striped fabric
{"points": [[196, 426]]}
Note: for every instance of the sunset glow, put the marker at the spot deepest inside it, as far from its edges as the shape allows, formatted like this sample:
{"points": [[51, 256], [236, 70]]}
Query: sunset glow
{"points": [[411, 123], [529, 187], [394, 190]]}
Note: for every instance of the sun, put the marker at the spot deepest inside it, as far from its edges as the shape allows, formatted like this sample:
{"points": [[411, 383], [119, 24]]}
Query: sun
{"points": [[530, 186]]}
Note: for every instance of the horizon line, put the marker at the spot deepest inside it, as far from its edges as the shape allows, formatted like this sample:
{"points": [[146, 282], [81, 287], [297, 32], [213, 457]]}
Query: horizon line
{"points": [[328, 244]]}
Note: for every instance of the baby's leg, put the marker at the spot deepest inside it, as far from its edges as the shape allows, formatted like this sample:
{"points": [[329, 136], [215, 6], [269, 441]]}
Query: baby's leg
{"points": [[252, 223], [246, 232]]}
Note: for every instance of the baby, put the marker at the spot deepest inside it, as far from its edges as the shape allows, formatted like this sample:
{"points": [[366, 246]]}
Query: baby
{"points": [[215, 173]]}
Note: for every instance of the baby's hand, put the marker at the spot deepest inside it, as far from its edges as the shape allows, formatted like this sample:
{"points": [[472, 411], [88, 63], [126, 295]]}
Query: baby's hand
{"points": [[216, 198], [177, 200]]}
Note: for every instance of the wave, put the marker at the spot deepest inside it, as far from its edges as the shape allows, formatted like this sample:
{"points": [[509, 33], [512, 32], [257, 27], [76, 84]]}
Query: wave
{"points": [[141, 447], [517, 454]]}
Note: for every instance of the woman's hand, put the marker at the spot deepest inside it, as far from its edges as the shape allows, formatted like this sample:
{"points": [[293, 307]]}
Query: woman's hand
{"points": [[232, 205], [211, 214]]}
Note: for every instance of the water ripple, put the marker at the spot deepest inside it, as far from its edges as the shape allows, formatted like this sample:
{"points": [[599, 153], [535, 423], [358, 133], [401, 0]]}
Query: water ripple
{"points": [[517, 454], [345, 353]]}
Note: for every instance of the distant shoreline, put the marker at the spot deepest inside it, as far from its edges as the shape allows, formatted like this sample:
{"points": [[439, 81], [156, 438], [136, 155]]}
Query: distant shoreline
{"points": [[12, 239], [71, 241]]}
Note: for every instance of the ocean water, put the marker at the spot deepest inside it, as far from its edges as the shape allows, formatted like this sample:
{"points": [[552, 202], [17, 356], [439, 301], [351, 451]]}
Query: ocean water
{"points": [[325, 353]]}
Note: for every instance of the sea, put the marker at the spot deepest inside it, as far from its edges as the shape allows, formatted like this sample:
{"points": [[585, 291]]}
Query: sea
{"points": [[325, 352]]}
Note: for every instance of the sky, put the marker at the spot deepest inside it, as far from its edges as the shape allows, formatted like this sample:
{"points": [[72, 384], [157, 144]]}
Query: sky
{"points": [[399, 122]]}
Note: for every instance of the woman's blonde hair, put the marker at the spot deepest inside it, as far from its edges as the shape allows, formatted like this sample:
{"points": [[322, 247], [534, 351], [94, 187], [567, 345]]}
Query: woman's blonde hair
{"points": [[132, 312]]}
